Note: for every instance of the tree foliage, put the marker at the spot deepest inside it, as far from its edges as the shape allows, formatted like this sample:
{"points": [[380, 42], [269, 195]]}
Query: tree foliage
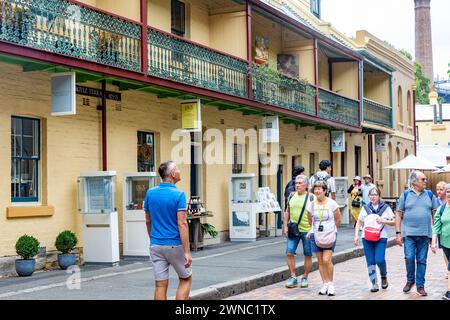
{"points": [[422, 81]]}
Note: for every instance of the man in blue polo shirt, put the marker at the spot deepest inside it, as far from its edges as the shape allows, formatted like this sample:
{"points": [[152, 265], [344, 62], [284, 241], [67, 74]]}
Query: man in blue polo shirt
{"points": [[165, 208], [415, 210]]}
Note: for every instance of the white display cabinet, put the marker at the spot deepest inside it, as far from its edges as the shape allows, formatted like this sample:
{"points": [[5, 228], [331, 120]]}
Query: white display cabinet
{"points": [[136, 239], [243, 207], [342, 198], [96, 198]]}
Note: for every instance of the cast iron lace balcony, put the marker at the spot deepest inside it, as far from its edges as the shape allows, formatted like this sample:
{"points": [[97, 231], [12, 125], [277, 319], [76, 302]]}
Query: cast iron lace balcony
{"points": [[377, 113], [176, 59], [62, 27], [281, 91], [338, 108]]}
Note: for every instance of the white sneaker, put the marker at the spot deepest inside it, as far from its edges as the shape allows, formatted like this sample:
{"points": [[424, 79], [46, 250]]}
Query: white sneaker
{"points": [[331, 290], [324, 289]]}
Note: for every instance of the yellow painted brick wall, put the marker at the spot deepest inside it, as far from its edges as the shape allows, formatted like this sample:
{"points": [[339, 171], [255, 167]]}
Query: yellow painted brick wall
{"points": [[73, 145], [228, 33], [376, 87]]}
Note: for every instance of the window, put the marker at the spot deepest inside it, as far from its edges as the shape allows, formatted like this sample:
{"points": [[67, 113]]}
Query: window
{"points": [[146, 152], [25, 157], [237, 158], [178, 18], [315, 8]]}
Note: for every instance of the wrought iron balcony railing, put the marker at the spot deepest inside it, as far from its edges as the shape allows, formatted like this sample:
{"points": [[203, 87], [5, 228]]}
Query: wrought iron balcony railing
{"points": [[177, 59], [338, 108], [87, 33], [377, 113], [66, 28], [288, 93]]}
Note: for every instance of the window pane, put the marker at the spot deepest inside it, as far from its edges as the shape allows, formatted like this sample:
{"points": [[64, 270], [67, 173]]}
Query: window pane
{"points": [[27, 127], [28, 181], [16, 126], [15, 178], [27, 146]]}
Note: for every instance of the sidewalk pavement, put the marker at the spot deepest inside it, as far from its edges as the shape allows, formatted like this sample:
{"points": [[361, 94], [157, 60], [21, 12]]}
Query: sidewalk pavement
{"points": [[228, 265], [352, 283]]}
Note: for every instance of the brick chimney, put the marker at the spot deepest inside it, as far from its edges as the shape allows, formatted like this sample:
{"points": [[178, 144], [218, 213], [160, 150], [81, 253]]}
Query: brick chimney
{"points": [[424, 46]]}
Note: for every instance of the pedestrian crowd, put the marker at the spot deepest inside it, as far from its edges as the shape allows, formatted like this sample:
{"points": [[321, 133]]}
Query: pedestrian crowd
{"points": [[312, 217], [421, 220]]}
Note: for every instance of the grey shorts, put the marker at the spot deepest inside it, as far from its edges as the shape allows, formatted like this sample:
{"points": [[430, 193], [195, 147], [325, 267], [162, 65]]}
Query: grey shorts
{"points": [[164, 256]]}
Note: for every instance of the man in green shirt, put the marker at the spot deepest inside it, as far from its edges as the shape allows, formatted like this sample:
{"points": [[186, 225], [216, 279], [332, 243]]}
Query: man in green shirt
{"points": [[442, 228], [295, 209]]}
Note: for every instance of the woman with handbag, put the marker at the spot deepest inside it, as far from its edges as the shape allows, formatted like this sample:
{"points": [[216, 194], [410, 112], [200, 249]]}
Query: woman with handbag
{"points": [[325, 218], [355, 198], [373, 217]]}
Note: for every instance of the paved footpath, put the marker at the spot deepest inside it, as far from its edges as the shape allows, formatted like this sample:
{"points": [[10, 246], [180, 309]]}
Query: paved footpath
{"points": [[352, 283], [133, 279]]}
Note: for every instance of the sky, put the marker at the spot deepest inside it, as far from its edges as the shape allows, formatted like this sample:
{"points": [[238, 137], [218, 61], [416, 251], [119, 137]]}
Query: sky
{"points": [[393, 21]]}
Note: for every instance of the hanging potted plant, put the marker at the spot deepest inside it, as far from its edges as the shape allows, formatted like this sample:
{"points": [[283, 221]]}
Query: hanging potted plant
{"points": [[65, 243], [27, 247]]}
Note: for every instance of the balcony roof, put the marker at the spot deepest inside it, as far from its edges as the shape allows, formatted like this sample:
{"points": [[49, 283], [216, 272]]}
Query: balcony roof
{"points": [[375, 62]]}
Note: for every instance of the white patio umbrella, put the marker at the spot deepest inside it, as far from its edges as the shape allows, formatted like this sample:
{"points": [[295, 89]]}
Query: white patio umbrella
{"points": [[443, 170], [413, 162]]}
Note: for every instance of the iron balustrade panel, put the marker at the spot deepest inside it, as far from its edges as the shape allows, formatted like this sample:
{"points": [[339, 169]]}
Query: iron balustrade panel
{"points": [[65, 28], [182, 61], [337, 108], [377, 113], [284, 92]]}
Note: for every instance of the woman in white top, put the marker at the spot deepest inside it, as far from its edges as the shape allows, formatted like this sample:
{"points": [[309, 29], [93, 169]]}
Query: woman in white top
{"points": [[373, 217], [325, 218]]}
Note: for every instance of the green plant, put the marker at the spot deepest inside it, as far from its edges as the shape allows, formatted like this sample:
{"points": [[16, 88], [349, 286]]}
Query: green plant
{"points": [[66, 241], [209, 229], [27, 247], [269, 73]]}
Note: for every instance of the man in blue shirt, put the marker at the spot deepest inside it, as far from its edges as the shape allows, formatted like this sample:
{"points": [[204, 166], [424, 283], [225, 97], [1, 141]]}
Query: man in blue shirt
{"points": [[415, 210], [165, 208]]}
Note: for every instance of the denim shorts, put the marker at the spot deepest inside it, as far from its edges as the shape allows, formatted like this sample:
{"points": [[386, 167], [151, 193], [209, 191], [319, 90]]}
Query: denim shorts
{"points": [[292, 244], [317, 249]]}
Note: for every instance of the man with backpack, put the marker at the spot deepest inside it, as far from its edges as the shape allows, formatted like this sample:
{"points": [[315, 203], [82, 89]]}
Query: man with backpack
{"points": [[324, 175], [413, 221]]}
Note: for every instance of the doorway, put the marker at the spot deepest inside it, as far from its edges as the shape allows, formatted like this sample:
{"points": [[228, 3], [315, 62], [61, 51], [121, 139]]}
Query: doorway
{"points": [[357, 160]]}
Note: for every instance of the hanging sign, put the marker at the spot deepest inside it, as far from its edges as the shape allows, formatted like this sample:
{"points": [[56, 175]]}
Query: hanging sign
{"points": [[337, 141], [63, 94], [380, 142], [191, 115], [270, 130]]}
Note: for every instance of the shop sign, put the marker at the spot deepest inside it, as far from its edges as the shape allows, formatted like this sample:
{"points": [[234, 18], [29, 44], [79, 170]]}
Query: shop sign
{"points": [[270, 130], [380, 142], [337, 141], [93, 92], [191, 119]]}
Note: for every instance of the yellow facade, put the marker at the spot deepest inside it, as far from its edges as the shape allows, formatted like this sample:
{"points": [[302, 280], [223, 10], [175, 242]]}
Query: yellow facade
{"points": [[431, 133]]}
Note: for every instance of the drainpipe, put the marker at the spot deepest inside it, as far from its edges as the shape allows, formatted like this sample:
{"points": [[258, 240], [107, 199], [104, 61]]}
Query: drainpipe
{"points": [[144, 48], [104, 140], [249, 48]]}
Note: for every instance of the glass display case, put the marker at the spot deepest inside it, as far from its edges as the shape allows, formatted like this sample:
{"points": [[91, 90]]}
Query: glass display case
{"points": [[137, 189], [242, 190], [96, 192]]}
